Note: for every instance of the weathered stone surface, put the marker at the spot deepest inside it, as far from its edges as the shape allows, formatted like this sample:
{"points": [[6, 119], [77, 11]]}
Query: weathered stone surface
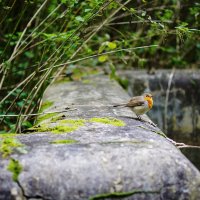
{"points": [[183, 110], [120, 157]]}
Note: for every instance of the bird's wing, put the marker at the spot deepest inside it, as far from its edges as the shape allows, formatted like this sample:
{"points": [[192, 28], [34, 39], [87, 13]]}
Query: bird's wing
{"points": [[135, 101]]}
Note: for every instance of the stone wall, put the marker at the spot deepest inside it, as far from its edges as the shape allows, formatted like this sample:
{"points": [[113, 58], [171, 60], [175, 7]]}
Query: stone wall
{"points": [[83, 148]]}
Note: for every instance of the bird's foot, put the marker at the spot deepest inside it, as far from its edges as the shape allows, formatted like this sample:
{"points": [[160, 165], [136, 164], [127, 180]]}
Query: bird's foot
{"points": [[142, 120], [139, 118], [151, 123]]}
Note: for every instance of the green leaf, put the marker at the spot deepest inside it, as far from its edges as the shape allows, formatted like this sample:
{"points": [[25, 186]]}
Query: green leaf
{"points": [[133, 10], [79, 18], [101, 48], [112, 45], [103, 58]]}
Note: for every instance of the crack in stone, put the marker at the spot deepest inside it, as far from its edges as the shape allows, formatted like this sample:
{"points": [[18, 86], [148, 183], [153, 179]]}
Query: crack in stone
{"points": [[26, 196]]}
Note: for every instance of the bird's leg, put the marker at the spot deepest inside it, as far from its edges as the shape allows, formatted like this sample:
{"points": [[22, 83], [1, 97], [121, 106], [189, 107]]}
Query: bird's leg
{"points": [[138, 116]]}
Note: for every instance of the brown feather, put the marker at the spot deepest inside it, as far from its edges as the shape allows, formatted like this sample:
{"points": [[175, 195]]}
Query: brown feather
{"points": [[135, 103]]}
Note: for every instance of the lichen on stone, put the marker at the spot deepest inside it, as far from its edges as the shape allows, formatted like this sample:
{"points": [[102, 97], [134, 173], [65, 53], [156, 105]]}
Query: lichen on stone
{"points": [[76, 122], [63, 129], [120, 195], [108, 120], [63, 142]]}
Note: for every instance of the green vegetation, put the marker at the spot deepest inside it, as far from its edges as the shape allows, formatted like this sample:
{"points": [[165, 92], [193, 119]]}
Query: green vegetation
{"points": [[63, 129], [45, 117], [43, 39], [45, 105], [121, 194], [63, 142], [6, 135], [70, 125], [74, 122], [62, 126], [8, 145], [15, 167], [108, 120]]}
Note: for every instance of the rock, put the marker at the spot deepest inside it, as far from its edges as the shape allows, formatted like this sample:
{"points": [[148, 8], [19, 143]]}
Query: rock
{"points": [[95, 151]]}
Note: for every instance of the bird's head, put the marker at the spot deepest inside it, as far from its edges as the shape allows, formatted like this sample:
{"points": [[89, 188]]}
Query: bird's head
{"points": [[149, 97]]}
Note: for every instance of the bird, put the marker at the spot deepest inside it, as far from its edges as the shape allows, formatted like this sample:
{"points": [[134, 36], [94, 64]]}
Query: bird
{"points": [[139, 104]]}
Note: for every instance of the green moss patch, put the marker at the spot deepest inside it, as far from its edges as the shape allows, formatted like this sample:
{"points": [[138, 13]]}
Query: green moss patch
{"points": [[63, 129], [63, 126], [56, 118], [15, 167], [8, 144], [74, 122], [40, 128], [45, 105], [68, 125], [108, 120], [4, 135], [121, 194], [45, 117], [63, 142]]}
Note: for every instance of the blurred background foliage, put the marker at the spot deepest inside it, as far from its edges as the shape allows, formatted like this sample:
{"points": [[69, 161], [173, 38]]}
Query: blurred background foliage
{"points": [[42, 40]]}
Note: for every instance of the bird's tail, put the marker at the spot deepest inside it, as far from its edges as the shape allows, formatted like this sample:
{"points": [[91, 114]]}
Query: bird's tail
{"points": [[120, 105]]}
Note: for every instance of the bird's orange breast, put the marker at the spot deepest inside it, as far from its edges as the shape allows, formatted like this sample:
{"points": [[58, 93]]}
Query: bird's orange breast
{"points": [[150, 102]]}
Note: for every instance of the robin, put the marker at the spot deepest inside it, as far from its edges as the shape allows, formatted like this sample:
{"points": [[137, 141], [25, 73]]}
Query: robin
{"points": [[139, 104]]}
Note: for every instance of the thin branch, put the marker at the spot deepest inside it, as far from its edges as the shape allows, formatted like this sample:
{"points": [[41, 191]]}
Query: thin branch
{"points": [[27, 26], [100, 54], [36, 114], [20, 84], [140, 21]]}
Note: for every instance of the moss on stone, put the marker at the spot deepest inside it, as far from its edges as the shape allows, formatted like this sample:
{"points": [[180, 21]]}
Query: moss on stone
{"points": [[45, 105], [45, 117], [86, 81], [56, 118], [63, 129], [15, 167], [8, 144], [40, 128], [68, 125], [63, 126], [75, 122], [121, 194], [4, 135], [63, 142], [108, 120], [63, 80]]}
